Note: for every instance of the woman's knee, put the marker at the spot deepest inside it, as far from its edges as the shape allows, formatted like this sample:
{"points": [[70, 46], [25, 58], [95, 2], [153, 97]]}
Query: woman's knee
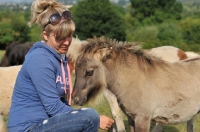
{"points": [[91, 114]]}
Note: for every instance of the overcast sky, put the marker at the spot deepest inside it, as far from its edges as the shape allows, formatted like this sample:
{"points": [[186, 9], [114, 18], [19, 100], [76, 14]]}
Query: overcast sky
{"points": [[16, 1], [29, 1]]}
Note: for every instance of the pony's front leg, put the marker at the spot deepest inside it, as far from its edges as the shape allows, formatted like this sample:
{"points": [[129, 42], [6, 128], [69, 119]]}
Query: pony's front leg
{"points": [[115, 110], [190, 125], [142, 123]]}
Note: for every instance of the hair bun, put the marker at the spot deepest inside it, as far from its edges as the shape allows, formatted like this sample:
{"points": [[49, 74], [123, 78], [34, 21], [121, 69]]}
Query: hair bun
{"points": [[40, 7]]}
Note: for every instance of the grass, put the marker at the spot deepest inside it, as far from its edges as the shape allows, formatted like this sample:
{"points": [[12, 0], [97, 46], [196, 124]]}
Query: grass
{"points": [[103, 108], [1, 53]]}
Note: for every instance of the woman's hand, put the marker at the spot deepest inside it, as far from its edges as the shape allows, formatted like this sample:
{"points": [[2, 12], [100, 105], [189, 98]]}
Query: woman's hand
{"points": [[105, 122]]}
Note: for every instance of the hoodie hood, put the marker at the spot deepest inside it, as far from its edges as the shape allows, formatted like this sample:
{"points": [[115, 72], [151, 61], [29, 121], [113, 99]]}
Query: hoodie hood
{"points": [[41, 44]]}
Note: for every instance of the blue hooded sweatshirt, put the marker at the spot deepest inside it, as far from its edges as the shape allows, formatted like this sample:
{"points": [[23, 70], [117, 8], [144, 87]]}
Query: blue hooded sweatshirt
{"points": [[39, 89]]}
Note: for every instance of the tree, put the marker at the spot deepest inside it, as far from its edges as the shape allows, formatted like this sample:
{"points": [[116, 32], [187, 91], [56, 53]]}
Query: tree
{"points": [[35, 33], [149, 12], [20, 26], [98, 18], [6, 33], [13, 28]]}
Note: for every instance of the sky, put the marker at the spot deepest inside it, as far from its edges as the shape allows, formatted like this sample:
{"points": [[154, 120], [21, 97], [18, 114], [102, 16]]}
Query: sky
{"points": [[16, 1], [29, 1]]}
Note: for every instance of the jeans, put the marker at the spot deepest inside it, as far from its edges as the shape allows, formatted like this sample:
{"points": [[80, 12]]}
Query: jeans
{"points": [[81, 120]]}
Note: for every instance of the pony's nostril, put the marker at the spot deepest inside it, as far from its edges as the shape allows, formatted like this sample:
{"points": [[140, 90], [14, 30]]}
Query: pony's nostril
{"points": [[76, 99]]}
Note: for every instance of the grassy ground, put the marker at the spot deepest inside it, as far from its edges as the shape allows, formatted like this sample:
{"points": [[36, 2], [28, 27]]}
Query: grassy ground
{"points": [[103, 108], [1, 53]]}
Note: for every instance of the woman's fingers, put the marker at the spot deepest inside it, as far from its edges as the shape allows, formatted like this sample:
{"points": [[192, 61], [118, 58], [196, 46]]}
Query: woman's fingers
{"points": [[105, 122]]}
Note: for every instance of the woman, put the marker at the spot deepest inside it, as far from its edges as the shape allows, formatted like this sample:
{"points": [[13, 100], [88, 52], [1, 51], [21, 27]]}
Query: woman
{"points": [[38, 100]]}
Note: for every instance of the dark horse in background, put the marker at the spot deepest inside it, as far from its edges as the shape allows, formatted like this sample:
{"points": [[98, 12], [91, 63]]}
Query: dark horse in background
{"points": [[15, 53]]}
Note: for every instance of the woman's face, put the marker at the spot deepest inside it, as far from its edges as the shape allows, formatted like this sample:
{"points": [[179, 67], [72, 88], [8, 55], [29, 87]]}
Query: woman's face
{"points": [[61, 46]]}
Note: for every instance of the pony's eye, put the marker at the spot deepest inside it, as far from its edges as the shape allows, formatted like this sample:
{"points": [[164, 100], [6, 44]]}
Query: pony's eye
{"points": [[89, 73]]}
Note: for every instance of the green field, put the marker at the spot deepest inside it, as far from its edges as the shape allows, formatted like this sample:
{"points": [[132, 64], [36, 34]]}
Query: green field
{"points": [[1, 53], [103, 108]]}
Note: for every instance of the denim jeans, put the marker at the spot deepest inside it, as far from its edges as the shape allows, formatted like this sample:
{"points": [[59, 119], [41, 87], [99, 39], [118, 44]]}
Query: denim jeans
{"points": [[81, 120]]}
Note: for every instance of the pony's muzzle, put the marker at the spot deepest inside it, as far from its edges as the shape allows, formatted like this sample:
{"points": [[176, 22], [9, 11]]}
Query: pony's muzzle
{"points": [[78, 101]]}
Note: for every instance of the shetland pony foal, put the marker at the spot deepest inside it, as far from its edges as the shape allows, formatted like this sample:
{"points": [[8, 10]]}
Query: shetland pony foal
{"points": [[146, 87]]}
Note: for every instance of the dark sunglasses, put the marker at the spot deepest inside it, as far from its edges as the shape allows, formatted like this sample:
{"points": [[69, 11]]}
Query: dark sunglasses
{"points": [[56, 18]]}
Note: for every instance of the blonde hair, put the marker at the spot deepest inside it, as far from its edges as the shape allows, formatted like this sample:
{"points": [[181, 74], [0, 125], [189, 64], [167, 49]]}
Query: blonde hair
{"points": [[41, 10]]}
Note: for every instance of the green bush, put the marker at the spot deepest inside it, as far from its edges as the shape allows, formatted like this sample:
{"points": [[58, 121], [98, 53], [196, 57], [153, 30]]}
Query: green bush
{"points": [[191, 30], [169, 32], [147, 35]]}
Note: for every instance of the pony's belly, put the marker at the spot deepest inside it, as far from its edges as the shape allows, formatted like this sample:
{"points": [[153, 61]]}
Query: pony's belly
{"points": [[177, 109], [175, 116], [172, 119]]}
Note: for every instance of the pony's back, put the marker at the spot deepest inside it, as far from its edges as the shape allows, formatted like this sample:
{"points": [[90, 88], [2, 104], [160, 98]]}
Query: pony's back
{"points": [[169, 53], [15, 54], [7, 80]]}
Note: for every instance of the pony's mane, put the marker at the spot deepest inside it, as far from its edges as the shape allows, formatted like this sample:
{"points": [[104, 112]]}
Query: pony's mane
{"points": [[122, 49], [93, 45], [74, 48]]}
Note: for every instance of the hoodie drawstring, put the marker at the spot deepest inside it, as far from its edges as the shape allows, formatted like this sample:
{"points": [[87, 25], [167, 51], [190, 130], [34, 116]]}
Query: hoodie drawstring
{"points": [[69, 81], [70, 84], [63, 76]]}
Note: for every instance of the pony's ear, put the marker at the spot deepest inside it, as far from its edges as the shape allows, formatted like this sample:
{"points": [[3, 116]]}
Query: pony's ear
{"points": [[103, 53]]}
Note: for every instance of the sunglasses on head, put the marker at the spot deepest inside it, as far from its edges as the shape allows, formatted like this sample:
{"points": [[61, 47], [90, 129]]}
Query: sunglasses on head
{"points": [[56, 18]]}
